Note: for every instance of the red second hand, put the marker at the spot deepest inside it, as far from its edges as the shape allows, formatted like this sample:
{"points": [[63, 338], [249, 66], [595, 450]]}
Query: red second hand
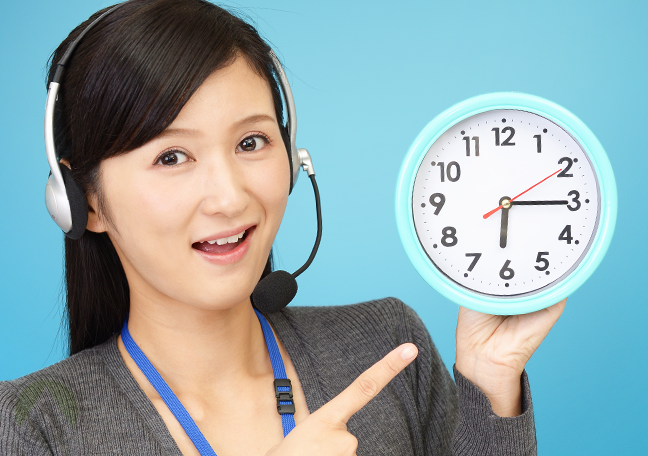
{"points": [[488, 214]]}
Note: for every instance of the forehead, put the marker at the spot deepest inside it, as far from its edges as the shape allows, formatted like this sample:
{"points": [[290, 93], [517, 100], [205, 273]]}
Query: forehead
{"points": [[228, 95]]}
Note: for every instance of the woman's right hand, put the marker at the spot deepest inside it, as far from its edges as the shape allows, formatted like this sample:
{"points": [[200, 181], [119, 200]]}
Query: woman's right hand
{"points": [[324, 432]]}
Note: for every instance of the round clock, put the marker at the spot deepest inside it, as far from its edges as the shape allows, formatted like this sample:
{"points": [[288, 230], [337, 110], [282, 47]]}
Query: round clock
{"points": [[506, 203]]}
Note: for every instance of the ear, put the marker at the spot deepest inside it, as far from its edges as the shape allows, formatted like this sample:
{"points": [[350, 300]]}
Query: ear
{"points": [[96, 223]]}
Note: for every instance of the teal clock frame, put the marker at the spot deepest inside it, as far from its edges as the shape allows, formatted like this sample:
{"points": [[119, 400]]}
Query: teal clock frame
{"points": [[552, 293]]}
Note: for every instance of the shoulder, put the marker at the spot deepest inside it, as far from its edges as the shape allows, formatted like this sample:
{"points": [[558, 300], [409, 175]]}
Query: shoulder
{"points": [[360, 334], [354, 337], [67, 372], [387, 319], [88, 403], [54, 393]]}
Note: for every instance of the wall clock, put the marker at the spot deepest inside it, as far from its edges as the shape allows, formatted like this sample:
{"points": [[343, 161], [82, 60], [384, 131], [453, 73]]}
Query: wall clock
{"points": [[506, 203]]}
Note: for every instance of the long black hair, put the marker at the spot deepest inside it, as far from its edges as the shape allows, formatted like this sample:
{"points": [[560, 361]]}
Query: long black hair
{"points": [[127, 81]]}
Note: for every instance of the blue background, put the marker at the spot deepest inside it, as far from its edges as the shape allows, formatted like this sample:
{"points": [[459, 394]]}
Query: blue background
{"points": [[367, 77]]}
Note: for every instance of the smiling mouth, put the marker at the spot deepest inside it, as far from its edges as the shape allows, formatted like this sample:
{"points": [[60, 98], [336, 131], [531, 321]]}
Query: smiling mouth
{"points": [[224, 245]]}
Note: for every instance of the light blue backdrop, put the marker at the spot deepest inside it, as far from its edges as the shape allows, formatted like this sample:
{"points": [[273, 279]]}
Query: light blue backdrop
{"points": [[367, 77]]}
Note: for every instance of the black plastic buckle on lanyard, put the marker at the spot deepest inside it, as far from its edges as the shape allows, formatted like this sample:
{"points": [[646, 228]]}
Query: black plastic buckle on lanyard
{"points": [[284, 396]]}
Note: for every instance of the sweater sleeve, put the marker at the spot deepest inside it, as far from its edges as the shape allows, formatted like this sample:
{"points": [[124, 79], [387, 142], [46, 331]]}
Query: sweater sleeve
{"points": [[18, 435], [457, 419]]}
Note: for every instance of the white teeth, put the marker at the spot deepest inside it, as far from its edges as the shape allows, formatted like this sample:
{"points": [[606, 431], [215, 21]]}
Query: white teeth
{"points": [[228, 240]]}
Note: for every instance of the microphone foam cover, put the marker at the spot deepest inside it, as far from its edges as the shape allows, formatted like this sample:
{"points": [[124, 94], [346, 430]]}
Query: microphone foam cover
{"points": [[274, 292]]}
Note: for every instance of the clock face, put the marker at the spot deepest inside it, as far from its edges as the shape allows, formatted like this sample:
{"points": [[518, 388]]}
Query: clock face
{"points": [[506, 203]]}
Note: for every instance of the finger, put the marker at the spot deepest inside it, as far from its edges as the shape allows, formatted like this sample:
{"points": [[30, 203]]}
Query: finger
{"points": [[544, 319], [368, 384], [557, 309], [536, 326]]}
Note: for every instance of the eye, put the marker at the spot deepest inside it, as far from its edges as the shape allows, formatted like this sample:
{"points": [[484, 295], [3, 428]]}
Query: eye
{"points": [[171, 158], [252, 143]]}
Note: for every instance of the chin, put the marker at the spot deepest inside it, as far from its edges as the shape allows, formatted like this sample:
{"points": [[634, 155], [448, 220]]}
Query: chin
{"points": [[218, 295]]}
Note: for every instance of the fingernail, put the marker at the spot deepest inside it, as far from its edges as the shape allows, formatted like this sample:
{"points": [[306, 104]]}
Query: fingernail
{"points": [[409, 352]]}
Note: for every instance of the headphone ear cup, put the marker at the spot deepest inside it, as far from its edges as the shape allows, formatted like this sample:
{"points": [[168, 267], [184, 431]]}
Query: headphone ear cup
{"points": [[78, 204]]}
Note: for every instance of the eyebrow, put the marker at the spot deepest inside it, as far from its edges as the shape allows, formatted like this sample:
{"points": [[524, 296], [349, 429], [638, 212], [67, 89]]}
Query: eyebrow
{"points": [[253, 119], [179, 132], [192, 132]]}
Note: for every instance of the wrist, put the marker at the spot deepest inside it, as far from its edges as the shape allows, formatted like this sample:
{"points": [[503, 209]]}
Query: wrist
{"points": [[501, 385]]}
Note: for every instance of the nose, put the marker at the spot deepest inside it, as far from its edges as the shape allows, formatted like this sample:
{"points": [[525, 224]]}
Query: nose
{"points": [[225, 191]]}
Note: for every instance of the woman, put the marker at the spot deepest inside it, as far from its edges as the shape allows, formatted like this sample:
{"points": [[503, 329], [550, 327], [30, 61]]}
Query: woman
{"points": [[170, 120]]}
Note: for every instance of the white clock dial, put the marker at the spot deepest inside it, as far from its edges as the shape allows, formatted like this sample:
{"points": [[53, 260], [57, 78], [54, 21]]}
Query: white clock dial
{"points": [[491, 158]]}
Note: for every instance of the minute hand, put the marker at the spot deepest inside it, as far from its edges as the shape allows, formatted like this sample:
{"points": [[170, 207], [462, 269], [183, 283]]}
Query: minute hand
{"points": [[538, 203]]}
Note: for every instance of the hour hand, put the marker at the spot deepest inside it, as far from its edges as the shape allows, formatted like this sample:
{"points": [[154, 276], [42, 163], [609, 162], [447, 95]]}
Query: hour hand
{"points": [[538, 203]]}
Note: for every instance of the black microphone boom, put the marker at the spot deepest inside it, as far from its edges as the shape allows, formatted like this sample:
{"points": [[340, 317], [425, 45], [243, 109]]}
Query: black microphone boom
{"points": [[278, 288]]}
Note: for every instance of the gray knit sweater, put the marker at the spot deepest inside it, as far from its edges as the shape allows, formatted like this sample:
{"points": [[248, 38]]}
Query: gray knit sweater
{"points": [[90, 404]]}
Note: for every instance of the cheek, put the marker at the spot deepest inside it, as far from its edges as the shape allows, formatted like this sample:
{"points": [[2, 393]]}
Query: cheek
{"points": [[145, 207], [151, 220], [272, 187]]}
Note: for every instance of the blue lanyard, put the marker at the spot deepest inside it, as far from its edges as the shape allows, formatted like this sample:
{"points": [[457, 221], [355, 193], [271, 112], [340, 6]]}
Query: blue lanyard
{"points": [[282, 387]]}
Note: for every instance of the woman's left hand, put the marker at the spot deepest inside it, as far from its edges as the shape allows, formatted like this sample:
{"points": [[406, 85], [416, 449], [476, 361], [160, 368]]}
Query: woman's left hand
{"points": [[492, 351]]}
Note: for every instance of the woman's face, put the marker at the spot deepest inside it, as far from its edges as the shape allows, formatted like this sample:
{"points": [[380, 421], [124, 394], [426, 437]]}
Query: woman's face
{"points": [[219, 172]]}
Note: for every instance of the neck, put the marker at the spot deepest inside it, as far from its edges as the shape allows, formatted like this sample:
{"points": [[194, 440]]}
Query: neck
{"points": [[197, 349]]}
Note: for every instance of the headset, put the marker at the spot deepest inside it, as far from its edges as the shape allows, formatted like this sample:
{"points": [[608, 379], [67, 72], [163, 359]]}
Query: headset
{"points": [[67, 205]]}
